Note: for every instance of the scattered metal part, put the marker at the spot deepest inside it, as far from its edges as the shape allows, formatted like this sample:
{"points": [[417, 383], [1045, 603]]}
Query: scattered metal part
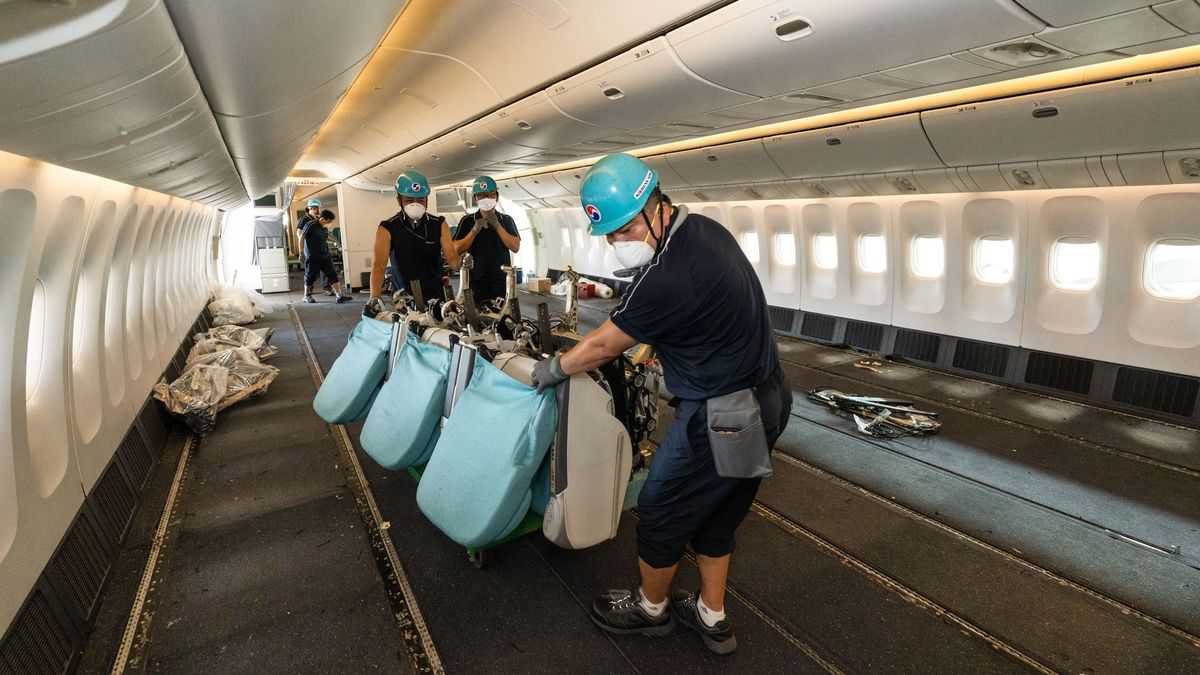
{"points": [[878, 417], [570, 315], [873, 365]]}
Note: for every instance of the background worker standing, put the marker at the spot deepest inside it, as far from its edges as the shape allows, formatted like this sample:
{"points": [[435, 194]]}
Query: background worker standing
{"points": [[317, 258], [699, 302], [415, 242], [490, 236]]}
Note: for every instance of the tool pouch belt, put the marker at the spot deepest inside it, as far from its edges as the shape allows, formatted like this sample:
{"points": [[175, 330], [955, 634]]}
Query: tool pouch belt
{"points": [[737, 437]]}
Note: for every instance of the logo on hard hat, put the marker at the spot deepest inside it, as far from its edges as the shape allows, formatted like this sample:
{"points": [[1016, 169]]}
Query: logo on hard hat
{"points": [[481, 186], [416, 187], [592, 212]]}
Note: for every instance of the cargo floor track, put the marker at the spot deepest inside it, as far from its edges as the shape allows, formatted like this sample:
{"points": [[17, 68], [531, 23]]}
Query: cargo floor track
{"points": [[1032, 534]]}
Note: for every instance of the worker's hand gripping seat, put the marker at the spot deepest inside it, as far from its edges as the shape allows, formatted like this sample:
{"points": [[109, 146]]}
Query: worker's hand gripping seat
{"points": [[352, 382], [403, 426], [476, 487]]}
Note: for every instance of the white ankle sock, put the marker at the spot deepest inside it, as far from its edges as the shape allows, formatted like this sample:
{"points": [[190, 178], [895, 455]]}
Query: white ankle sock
{"points": [[708, 616], [654, 610]]}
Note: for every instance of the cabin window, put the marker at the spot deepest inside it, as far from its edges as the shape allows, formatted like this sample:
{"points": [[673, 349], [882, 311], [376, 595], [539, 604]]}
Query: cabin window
{"points": [[749, 244], [1075, 264], [928, 257], [580, 238], [1173, 269], [783, 247], [993, 260], [872, 253], [37, 341], [565, 233], [824, 251]]}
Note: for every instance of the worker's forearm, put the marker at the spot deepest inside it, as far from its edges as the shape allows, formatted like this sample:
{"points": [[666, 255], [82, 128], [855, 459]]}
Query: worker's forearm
{"points": [[588, 355], [376, 280]]}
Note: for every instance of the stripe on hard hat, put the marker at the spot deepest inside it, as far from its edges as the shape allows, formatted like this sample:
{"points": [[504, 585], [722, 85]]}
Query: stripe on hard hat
{"points": [[645, 184]]}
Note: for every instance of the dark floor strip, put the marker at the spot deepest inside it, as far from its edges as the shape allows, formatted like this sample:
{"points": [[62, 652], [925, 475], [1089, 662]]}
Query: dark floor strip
{"points": [[1052, 577], [417, 639]]}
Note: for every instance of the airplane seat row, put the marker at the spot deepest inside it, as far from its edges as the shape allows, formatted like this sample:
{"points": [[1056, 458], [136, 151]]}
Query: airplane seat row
{"points": [[489, 448]]}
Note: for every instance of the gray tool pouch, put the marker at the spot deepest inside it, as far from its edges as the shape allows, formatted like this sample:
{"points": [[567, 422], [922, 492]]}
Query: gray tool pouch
{"points": [[737, 437]]}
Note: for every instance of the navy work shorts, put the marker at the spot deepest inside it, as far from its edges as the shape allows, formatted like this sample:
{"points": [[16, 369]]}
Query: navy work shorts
{"points": [[684, 501], [316, 266]]}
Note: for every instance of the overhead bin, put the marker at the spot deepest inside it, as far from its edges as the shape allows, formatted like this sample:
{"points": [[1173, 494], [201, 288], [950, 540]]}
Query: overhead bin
{"points": [[769, 47], [644, 87], [511, 189], [571, 179], [542, 186], [1059, 13], [1122, 30], [745, 162], [892, 144], [1137, 114], [535, 122], [668, 178]]}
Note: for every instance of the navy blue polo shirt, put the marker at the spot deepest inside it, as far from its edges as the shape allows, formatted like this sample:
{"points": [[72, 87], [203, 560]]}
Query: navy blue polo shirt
{"points": [[701, 306]]}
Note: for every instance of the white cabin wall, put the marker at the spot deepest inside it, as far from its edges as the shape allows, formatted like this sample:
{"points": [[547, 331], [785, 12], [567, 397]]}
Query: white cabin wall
{"points": [[1117, 320], [101, 281]]}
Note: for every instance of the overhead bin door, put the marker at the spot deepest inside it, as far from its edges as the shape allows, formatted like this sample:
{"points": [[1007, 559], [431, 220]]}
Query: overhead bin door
{"points": [[535, 123], [864, 147], [767, 48], [542, 186], [744, 162], [644, 87], [1137, 114]]}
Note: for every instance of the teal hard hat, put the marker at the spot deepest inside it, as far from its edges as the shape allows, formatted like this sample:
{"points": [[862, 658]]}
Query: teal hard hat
{"points": [[614, 191], [314, 202], [412, 184], [483, 185]]}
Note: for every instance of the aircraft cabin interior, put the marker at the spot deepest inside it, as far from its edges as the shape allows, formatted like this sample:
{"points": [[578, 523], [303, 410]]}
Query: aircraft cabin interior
{"points": [[840, 336]]}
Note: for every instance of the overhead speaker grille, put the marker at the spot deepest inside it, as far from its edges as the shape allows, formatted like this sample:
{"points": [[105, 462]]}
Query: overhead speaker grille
{"points": [[782, 318], [818, 326], [38, 642], [981, 357], [1059, 372], [864, 335], [911, 344], [1172, 394]]}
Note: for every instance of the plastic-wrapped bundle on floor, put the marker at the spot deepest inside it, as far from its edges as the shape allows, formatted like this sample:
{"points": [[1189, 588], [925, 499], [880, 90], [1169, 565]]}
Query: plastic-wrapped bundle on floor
{"points": [[352, 382], [477, 485], [403, 424], [247, 377], [228, 337], [196, 395]]}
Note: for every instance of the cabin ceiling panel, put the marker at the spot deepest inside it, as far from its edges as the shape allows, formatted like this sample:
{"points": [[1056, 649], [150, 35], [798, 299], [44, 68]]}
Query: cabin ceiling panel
{"points": [[118, 99]]}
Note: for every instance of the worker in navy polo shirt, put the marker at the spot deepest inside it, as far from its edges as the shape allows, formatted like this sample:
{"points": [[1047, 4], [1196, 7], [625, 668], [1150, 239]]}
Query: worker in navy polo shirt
{"points": [[697, 300]]}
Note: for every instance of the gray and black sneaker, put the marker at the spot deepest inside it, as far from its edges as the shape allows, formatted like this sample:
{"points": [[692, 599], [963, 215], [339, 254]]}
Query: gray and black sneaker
{"points": [[343, 298], [310, 299], [621, 612], [719, 638]]}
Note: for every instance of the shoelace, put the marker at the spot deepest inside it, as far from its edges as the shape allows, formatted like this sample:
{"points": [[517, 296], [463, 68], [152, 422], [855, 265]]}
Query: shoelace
{"points": [[622, 602]]}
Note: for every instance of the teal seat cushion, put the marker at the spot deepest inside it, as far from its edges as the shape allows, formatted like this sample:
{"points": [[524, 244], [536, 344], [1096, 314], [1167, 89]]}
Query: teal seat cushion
{"points": [[351, 383], [403, 425], [477, 485]]}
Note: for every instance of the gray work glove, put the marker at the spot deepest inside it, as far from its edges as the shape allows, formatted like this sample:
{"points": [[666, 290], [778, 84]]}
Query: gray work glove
{"points": [[373, 307], [548, 373], [479, 225]]}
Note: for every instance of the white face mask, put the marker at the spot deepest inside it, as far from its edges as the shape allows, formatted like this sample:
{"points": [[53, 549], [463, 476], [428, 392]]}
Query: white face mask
{"points": [[486, 204], [414, 210], [632, 254]]}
